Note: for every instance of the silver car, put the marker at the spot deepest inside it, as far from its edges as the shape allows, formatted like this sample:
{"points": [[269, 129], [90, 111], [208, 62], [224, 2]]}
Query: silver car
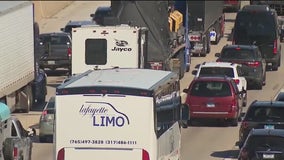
{"points": [[46, 122]]}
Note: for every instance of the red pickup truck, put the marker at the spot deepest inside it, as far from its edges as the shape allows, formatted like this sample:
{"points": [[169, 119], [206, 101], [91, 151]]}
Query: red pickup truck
{"points": [[234, 5]]}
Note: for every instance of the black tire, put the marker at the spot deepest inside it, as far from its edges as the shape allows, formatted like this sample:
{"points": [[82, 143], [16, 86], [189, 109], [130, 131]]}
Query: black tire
{"points": [[275, 66], [234, 122], [30, 100], [245, 100], [259, 85], [8, 147]]}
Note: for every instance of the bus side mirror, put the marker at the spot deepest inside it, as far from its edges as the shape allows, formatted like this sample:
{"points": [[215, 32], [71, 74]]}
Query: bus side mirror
{"points": [[184, 118]]}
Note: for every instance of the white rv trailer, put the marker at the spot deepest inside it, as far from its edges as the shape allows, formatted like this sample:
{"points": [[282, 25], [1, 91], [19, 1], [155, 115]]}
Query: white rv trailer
{"points": [[119, 114]]}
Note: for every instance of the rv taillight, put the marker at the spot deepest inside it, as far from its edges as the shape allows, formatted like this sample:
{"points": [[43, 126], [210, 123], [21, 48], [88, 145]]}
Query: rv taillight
{"points": [[156, 65], [145, 155], [69, 52], [275, 47], [60, 155]]}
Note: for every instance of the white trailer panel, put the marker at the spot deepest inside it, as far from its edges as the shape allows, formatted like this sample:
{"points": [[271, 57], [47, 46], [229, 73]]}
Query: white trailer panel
{"points": [[16, 45], [122, 49]]}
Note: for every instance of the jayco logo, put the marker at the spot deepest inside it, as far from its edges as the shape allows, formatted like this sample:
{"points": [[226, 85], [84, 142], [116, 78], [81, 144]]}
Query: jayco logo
{"points": [[121, 46], [103, 114]]}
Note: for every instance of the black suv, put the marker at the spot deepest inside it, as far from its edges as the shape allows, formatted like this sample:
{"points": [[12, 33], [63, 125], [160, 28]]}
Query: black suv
{"points": [[249, 56], [263, 144], [258, 25], [262, 114], [100, 13], [74, 24], [55, 50]]}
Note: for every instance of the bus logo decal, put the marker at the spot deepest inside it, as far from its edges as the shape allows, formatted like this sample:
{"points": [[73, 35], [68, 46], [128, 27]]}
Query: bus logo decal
{"points": [[104, 114]]}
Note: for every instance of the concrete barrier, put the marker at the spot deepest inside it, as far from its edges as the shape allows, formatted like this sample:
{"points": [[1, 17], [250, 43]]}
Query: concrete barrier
{"points": [[46, 9]]}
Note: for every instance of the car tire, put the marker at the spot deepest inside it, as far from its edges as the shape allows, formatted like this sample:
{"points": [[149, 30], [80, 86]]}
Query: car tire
{"points": [[245, 100], [275, 66], [8, 147], [259, 85], [235, 121]]}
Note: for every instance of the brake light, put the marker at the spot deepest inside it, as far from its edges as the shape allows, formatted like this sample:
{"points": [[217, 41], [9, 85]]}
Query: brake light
{"points": [[253, 64], [43, 115], [60, 154], [15, 152], [194, 38], [156, 65], [244, 125], [233, 105], [244, 154], [145, 155], [237, 81], [69, 52], [275, 47]]}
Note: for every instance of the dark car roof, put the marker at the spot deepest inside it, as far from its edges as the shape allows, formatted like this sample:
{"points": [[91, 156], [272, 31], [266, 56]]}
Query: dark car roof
{"points": [[268, 132], [267, 103], [54, 33], [79, 23], [258, 8], [104, 8]]}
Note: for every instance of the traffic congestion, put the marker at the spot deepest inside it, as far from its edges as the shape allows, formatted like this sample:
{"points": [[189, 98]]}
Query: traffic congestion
{"points": [[231, 83]]}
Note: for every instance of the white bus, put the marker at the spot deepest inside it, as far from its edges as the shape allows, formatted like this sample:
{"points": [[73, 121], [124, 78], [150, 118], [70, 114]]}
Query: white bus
{"points": [[119, 114]]}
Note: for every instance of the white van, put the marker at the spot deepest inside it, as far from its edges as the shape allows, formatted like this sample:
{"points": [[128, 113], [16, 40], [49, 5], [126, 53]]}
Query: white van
{"points": [[119, 114]]}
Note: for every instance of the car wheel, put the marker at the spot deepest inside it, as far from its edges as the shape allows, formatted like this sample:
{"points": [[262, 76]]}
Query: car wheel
{"points": [[275, 66], [258, 85], [245, 100]]}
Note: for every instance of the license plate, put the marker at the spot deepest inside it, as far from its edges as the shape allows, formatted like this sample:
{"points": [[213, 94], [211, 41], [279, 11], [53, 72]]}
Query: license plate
{"points": [[210, 105], [50, 62], [268, 126], [268, 156]]}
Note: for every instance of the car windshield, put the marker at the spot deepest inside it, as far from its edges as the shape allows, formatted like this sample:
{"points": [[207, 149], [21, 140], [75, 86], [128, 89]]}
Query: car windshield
{"points": [[280, 97], [204, 71], [265, 114], [252, 26], [265, 142], [237, 54], [210, 89]]}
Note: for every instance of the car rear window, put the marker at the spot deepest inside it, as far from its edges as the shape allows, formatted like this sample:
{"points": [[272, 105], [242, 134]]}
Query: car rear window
{"points": [[265, 141], [265, 114], [55, 40], [205, 71], [210, 89], [251, 26], [233, 53]]}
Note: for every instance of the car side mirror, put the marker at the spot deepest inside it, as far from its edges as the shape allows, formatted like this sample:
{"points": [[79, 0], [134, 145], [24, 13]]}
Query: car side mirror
{"points": [[184, 117], [92, 15], [194, 72], [31, 132], [185, 90], [62, 29], [217, 54]]}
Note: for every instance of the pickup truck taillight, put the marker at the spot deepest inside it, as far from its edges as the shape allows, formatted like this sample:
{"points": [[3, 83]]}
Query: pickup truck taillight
{"points": [[69, 52], [15, 152], [237, 81], [156, 65], [275, 47], [253, 64]]}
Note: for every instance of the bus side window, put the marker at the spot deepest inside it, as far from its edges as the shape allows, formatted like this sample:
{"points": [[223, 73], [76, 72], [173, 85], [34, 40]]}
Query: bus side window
{"points": [[165, 119]]}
